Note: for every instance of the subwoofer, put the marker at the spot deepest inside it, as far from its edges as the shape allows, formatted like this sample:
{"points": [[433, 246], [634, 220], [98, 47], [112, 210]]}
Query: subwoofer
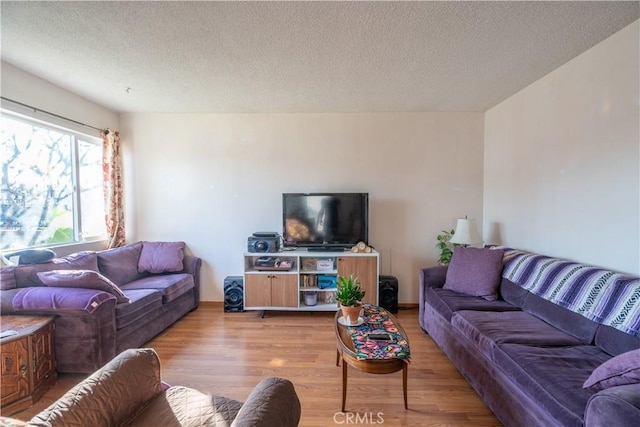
{"points": [[233, 294], [388, 293]]}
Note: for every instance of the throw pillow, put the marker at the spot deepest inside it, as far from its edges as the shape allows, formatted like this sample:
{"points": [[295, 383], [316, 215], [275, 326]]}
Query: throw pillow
{"points": [[33, 256], [619, 370], [82, 279], [161, 257], [475, 271]]}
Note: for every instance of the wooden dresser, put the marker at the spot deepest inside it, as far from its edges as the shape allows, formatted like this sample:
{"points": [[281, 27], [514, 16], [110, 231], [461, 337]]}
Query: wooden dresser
{"points": [[27, 361]]}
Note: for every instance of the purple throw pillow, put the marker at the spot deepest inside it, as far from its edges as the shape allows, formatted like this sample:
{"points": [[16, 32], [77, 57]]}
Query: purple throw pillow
{"points": [[475, 271], [161, 257], [82, 279], [620, 370]]}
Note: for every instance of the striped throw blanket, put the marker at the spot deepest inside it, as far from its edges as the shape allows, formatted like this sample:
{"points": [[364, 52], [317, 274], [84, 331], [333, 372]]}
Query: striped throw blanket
{"points": [[603, 296]]}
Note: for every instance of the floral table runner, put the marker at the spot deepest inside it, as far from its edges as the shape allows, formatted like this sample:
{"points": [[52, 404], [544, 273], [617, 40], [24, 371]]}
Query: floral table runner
{"points": [[377, 320]]}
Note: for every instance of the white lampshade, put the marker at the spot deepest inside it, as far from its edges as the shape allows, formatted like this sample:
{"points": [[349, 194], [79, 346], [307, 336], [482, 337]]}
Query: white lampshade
{"points": [[466, 233]]}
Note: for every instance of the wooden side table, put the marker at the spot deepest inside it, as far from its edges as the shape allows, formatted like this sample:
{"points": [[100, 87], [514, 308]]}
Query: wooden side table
{"points": [[27, 362]]}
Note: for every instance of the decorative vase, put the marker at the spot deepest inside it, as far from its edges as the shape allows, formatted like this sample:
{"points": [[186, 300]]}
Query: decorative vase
{"points": [[351, 314]]}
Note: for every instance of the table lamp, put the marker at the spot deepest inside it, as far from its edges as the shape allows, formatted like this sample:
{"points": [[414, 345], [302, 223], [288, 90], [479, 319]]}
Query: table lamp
{"points": [[466, 233]]}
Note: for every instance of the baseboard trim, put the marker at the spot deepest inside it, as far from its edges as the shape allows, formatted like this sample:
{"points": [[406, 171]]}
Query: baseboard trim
{"points": [[214, 304], [211, 304]]}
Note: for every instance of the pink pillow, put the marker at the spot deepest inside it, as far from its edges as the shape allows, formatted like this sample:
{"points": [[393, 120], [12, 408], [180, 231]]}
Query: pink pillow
{"points": [[475, 271], [161, 257], [620, 370], [82, 279]]}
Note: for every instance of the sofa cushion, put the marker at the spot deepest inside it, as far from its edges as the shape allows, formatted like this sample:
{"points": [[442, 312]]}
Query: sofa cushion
{"points": [[171, 286], [566, 320], [86, 279], [615, 342], [446, 302], [186, 407], [619, 370], [512, 293], [475, 271], [552, 376], [142, 302], [487, 329], [161, 257], [27, 275], [120, 265]]}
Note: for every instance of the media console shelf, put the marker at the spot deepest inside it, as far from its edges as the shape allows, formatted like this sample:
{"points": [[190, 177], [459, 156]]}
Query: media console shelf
{"points": [[268, 287]]}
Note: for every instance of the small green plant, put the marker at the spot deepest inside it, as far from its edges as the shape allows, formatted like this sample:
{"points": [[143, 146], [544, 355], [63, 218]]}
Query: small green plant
{"points": [[349, 292], [446, 247]]}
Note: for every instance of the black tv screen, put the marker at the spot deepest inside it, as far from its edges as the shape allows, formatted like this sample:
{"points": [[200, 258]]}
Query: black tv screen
{"points": [[325, 219]]}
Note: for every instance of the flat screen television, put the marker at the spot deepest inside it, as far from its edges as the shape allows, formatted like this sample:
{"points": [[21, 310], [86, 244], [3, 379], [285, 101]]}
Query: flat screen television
{"points": [[325, 220]]}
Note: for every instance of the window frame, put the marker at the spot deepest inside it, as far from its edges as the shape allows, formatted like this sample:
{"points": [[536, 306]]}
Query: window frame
{"points": [[76, 137]]}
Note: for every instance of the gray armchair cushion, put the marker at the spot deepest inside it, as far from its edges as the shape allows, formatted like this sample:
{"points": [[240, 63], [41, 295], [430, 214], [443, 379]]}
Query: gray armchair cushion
{"points": [[272, 403], [186, 407]]}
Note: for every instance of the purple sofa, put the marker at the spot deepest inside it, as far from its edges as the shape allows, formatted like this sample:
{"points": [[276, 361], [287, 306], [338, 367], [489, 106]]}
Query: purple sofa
{"points": [[107, 301], [528, 352]]}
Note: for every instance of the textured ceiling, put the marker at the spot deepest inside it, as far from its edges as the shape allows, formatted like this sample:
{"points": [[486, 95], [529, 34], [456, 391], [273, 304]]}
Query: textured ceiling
{"points": [[184, 57]]}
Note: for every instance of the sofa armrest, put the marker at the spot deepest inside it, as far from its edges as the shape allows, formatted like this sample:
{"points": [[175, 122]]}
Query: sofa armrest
{"points": [[430, 277], [615, 406], [85, 322], [273, 402], [110, 396], [192, 266], [433, 277], [44, 299]]}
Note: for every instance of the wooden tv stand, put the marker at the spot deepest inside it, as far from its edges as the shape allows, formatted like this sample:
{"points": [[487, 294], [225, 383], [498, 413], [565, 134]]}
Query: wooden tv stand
{"points": [[273, 288]]}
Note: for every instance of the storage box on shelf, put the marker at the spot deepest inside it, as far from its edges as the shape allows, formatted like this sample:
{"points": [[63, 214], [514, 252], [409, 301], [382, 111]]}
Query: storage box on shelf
{"points": [[269, 287]]}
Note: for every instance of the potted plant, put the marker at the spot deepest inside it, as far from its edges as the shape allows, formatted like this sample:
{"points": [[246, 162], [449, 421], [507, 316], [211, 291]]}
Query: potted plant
{"points": [[446, 248], [349, 294]]}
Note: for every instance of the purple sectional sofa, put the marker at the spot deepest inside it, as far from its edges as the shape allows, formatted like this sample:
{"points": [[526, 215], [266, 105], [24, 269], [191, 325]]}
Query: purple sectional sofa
{"points": [[107, 301], [551, 328]]}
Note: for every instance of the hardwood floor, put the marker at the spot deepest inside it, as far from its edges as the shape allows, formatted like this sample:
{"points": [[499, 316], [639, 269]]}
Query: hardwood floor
{"points": [[228, 353]]}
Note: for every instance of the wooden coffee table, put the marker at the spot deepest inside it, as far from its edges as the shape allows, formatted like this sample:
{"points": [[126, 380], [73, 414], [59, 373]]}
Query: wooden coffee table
{"points": [[346, 351]]}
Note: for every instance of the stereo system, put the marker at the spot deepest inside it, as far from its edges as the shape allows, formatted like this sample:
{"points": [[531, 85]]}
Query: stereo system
{"points": [[388, 293], [233, 294], [263, 242]]}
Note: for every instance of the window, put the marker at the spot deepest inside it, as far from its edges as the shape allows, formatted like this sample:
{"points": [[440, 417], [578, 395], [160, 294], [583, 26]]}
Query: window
{"points": [[50, 185]]}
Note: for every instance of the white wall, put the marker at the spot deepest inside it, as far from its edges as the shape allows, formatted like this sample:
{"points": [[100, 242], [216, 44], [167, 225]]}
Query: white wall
{"points": [[213, 179], [26, 88], [562, 163]]}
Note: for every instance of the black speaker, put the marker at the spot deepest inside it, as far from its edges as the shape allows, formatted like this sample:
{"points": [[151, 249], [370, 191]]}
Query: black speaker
{"points": [[388, 293], [233, 293]]}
